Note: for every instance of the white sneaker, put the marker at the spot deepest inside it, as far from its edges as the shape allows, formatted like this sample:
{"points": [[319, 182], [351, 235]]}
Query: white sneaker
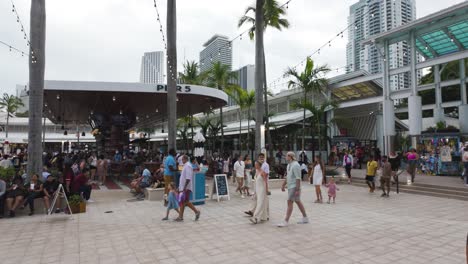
{"points": [[282, 224], [304, 220], [242, 196]]}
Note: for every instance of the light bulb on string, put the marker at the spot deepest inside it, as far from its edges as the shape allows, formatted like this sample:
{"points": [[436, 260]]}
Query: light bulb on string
{"points": [[329, 43]]}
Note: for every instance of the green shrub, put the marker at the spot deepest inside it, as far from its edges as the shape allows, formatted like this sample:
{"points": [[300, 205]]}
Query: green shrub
{"points": [[7, 174], [75, 199]]}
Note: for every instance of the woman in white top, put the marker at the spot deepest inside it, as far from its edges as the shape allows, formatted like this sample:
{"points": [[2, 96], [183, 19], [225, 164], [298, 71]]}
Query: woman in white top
{"points": [[317, 177]]}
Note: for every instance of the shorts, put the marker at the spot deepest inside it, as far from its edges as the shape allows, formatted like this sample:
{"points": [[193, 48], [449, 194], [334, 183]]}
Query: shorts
{"points": [[186, 197], [167, 180], [144, 184], [91, 167], [15, 193], [384, 181], [292, 195], [370, 178]]}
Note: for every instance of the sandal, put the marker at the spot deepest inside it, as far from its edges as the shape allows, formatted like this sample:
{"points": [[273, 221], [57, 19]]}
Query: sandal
{"points": [[254, 221]]}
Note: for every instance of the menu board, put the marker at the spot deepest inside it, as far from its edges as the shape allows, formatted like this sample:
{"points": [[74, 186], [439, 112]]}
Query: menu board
{"points": [[220, 186]]}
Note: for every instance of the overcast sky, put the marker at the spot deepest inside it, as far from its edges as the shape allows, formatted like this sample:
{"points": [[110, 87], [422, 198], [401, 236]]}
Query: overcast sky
{"points": [[103, 40]]}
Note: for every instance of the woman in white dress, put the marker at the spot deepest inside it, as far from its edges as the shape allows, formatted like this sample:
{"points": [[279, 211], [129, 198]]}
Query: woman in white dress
{"points": [[261, 210], [317, 178]]}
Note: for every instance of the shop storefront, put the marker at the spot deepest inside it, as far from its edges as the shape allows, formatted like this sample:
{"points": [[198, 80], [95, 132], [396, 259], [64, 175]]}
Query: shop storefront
{"points": [[440, 153]]}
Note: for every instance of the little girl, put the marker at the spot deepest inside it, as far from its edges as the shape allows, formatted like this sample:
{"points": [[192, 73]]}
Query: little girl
{"points": [[172, 202], [332, 189]]}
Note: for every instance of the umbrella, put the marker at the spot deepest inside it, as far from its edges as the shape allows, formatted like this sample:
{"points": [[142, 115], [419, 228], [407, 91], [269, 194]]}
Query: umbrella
{"points": [[199, 139]]}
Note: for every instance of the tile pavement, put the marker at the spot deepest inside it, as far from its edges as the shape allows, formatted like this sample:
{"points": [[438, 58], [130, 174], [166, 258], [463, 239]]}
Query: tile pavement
{"points": [[360, 228]]}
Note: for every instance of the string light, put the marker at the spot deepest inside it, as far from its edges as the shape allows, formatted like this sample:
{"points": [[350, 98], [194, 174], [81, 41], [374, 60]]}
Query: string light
{"points": [[25, 36], [328, 43]]}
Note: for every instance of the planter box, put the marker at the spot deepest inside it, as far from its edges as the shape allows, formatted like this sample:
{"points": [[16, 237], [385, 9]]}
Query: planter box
{"points": [[152, 194], [78, 208]]}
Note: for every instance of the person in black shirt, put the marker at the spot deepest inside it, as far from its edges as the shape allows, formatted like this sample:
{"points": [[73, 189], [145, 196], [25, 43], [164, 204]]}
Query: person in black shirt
{"points": [[50, 188], [15, 195], [34, 191], [395, 161]]}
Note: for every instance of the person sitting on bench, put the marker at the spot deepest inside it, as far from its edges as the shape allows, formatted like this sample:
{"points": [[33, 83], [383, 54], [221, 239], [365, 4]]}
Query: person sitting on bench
{"points": [[81, 186]]}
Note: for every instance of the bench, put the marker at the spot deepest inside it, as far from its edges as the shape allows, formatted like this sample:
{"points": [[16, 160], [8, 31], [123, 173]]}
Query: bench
{"points": [[39, 207]]}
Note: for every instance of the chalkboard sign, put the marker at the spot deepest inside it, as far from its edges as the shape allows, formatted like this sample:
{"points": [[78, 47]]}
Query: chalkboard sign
{"points": [[220, 186]]}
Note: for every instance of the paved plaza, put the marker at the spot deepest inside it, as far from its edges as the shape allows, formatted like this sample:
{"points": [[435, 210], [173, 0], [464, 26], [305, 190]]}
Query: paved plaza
{"points": [[359, 228]]}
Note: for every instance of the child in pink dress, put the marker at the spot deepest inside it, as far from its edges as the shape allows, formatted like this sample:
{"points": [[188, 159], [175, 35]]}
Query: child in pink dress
{"points": [[332, 188]]}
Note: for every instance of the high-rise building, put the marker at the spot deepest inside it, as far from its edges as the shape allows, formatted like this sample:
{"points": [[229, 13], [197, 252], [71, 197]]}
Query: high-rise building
{"points": [[245, 79], [371, 17], [152, 67], [217, 48]]}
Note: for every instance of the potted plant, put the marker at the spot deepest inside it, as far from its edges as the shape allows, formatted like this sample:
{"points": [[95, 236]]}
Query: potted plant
{"points": [[77, 205], [6, 174]]}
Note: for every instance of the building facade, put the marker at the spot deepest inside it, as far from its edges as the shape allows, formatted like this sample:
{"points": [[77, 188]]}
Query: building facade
{"points": [[372, 17], [245, 79], [152, 67], [217, 49]]}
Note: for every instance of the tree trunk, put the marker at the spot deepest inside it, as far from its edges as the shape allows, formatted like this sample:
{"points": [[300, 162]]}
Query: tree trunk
{"points": [[267, 112], [36, 84], [303, 122], [7, 124], [240, 132], [259, 80], [248, 132], [222, 129], [172, 73]]}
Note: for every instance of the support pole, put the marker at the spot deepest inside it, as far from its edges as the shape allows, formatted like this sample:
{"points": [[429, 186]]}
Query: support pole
{"points": [[414, 101], [463, 108], [438, 110]]}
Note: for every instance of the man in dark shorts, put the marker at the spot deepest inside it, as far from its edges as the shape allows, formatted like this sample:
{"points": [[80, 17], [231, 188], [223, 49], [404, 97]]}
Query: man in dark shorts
{"points": [[372, 167]]}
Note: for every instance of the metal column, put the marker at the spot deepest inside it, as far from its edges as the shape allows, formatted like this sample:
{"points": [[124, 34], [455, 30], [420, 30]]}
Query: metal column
{"points": [[414, 101], [463, 108], [387, 106], [438, 110]]}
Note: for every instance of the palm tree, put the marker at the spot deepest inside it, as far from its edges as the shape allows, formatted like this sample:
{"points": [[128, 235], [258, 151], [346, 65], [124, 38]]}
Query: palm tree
{"points": [[318, 116], [172, 73], [311, 80], [249, 101], [10, 103], [36, 84], [259, 72], [191, 74], [220, 77], [236, 93], [272, 18], [183, 132]]}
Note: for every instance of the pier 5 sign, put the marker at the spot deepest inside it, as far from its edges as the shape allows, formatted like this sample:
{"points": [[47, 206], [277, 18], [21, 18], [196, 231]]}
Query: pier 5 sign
{"points": [[184, 89]]}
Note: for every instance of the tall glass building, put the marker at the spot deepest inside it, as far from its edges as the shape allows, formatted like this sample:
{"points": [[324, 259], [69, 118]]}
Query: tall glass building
{"points": [[372, 17], [217, 48], [152, 67]]}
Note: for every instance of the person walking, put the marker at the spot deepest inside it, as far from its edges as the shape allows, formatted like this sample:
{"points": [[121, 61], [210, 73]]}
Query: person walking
{"points": [[412, 158], [317, 178], [465, 163], [101, 169], [293, 184], [248, 174], [185, 190], [386, 176], [348, 164], [372, 167], [332, 188], [170, 167], [239, 173], [260, 210]]}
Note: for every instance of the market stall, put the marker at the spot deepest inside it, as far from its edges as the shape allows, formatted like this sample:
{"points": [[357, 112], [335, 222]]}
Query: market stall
{"points": [[440, 153]]}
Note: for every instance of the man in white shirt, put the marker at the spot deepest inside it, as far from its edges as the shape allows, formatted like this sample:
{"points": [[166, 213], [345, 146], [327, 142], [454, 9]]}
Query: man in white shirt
{"points": [[185, 188], [239, 172], [6, 162]]}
